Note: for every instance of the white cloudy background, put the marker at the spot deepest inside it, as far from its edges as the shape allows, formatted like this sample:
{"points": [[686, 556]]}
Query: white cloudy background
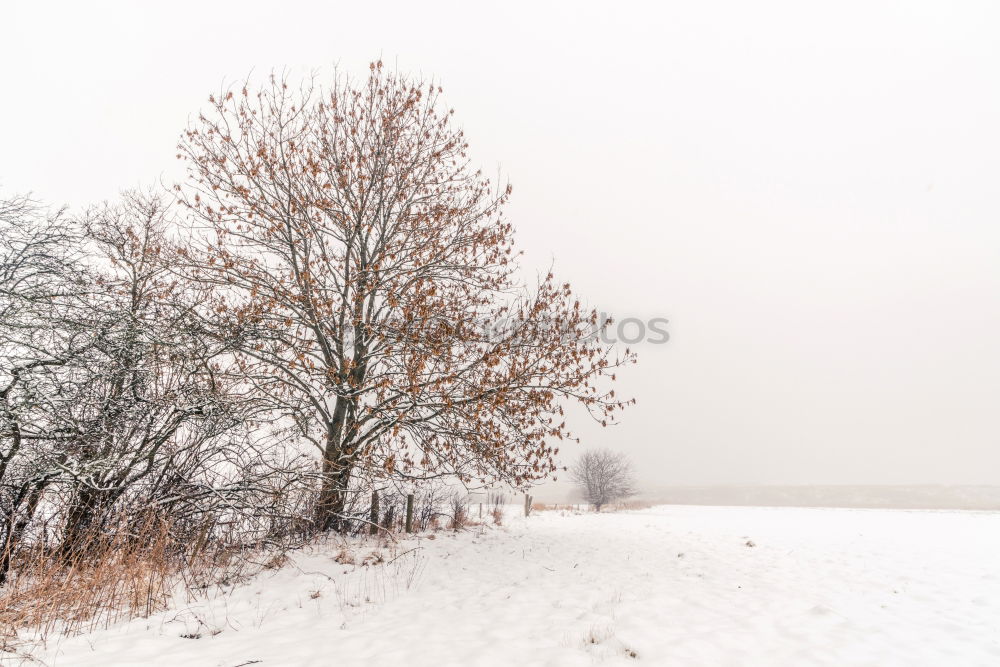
{"points": [[808, 191]]}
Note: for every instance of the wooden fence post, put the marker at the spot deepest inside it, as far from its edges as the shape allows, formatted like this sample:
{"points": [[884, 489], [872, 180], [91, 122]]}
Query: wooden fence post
{"points": [[373, 519], [409, 512]]}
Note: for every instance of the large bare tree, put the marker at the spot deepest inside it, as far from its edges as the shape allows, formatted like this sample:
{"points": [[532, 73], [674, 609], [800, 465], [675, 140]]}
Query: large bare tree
{"points": [[369, 275]]}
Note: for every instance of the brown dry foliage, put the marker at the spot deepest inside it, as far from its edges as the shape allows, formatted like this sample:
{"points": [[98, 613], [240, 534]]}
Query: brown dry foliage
{"points": [[113, 578], [361, 254], [116, 580]]}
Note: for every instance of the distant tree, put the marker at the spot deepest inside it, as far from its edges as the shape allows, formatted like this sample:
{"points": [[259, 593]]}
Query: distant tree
{"points": [[603, 476]]}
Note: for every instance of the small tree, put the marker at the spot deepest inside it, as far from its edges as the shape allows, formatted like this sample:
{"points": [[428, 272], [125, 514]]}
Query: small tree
{"points": [[603, 476]]}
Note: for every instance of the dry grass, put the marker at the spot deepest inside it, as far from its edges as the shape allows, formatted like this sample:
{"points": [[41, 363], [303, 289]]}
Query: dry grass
{"points": [[112, 579], [624, 505], [140, 571], [548, 507], [633, 505], [109, 580], [345, 556]]}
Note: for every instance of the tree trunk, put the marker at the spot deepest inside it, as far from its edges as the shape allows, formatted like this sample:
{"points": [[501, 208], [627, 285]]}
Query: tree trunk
{"points": [[333, 492], [336, 473], [79, 521], [373, 522], [16, 529]]}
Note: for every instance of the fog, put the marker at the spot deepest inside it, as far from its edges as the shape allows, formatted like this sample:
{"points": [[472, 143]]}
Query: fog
{"points": [[809, 197]]}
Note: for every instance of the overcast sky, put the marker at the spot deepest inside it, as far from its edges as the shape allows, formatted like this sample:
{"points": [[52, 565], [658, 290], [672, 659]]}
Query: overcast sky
{"points": [[807, 191]]}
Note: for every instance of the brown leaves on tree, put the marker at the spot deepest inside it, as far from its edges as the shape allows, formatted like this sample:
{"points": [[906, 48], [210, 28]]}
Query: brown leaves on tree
{"points": [[370, 269]]}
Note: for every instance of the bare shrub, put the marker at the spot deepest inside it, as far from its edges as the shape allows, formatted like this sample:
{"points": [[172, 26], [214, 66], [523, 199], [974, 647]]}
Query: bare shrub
{"points": [[427, 508], [459, 506]]}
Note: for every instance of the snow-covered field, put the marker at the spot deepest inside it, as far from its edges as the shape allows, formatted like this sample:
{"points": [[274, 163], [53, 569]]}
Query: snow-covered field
{"points": [[673, 585]]}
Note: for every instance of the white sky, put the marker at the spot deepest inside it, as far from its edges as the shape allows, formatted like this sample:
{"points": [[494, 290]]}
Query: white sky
{"points": [[809, 192]]}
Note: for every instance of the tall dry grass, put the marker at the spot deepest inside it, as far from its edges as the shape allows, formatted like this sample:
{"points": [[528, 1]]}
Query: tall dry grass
{"points": [[117, 576]]}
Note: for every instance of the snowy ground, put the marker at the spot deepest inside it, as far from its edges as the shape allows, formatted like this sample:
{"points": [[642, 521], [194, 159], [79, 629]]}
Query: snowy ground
{"points": [[665, 586]]}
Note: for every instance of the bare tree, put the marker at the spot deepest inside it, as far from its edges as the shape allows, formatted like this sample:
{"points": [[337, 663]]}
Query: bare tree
{"points": [[603, 476], [358, 257], [112, 406], [146, 398], [43, 289]]}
